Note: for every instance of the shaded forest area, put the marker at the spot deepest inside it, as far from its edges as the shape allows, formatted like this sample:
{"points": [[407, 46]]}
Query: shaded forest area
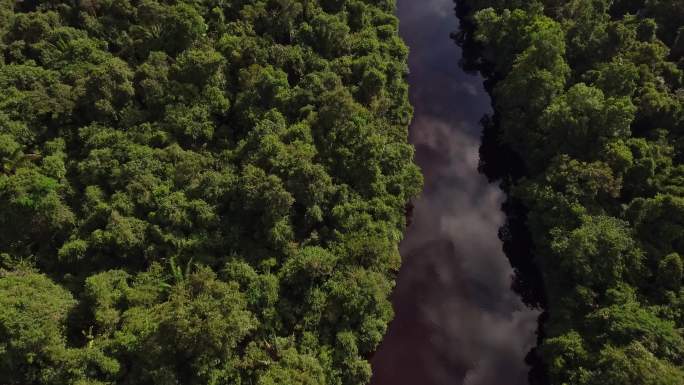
{"points": [[587, 139], [199, 191]]}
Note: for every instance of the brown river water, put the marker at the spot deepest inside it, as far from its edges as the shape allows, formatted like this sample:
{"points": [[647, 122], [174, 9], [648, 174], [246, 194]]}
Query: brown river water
{"points": [[457, 320]]}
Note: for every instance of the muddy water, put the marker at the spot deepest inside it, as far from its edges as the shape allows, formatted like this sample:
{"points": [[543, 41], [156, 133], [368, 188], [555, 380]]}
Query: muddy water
{"points": [[457, 320]]}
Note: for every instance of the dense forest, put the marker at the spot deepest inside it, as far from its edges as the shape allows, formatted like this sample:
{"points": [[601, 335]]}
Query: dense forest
{"points": [[200, 191], [587, 138]]}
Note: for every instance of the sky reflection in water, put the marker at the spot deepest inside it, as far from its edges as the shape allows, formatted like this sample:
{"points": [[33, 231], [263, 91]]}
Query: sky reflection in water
{"points": [[457, 321]]}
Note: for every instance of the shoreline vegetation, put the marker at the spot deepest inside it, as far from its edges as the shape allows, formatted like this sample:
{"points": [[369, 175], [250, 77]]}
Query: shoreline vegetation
{"points": [[586, 138], [200, 191]]}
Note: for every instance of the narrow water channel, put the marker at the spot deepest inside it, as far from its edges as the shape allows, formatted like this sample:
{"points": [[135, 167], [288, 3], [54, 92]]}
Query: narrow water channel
{"points": [[457, 320]]}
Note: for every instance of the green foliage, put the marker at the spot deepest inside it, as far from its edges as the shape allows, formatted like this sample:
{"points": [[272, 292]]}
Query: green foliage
{"points": [[32, 327], [634, 365], [199, 192], [599, 254], [588, 94]]}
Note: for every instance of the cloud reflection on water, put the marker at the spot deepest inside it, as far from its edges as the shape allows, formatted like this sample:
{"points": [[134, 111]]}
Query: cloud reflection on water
{"points": [[457, 321]]}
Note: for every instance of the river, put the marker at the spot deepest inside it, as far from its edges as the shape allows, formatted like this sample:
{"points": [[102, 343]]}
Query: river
{"points": [[457, 320]]}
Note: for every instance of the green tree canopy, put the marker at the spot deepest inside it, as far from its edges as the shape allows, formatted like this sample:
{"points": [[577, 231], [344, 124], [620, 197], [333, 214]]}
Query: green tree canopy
{"points": [[587, 96], [199, 192]]}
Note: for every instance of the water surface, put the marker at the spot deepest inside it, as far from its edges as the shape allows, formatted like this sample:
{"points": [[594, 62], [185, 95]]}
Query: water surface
{"points": [[457, 320]]}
